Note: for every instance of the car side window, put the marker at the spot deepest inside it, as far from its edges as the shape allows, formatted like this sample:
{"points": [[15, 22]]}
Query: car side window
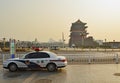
{"points": [[31, 55], [43, 55]]}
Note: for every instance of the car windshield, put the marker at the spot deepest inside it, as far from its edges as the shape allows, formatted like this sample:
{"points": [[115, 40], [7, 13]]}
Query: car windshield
{"points": [[53, 54], [23, 56]]}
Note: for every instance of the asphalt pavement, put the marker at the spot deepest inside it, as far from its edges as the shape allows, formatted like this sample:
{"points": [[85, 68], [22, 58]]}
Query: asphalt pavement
{"points": [[86, 73]]}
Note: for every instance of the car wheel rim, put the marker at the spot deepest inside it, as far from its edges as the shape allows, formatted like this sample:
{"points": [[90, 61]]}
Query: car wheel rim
{"points": [[13, 67], [51, 67]]}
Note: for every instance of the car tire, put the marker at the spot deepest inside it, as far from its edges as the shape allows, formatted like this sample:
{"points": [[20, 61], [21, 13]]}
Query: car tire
{"points": [[51, 67], [13, 67]]}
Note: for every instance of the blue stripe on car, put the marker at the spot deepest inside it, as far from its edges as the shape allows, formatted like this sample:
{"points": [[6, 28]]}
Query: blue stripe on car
{"points": [[31, 65]]}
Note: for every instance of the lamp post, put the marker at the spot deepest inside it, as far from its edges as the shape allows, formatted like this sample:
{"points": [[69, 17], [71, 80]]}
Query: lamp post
{"points": [[4, 42], [113, 45], [63, 40], [82, 39], [105, 44]]}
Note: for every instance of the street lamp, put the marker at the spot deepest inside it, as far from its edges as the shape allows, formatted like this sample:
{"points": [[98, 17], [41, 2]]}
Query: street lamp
{"points": [[105, 44], [4, 42], [82, 37], [63, 40], [114, 46]]}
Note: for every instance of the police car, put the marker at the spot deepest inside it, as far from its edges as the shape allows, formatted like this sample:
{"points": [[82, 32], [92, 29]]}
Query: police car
{"points": [[36, 60]]}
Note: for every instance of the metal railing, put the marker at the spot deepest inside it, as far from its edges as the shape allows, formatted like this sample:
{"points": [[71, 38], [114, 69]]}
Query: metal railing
{"points": [[92, 58], [82, 58]]}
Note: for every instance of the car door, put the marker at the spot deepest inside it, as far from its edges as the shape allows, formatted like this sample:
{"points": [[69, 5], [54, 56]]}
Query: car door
{"points": [[43, 58], [31, 60]]}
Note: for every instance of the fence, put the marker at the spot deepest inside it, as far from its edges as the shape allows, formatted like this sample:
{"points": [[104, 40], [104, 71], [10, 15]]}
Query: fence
{"points": [[91, 49], [4, 56], [91, 58], [82, 58]]}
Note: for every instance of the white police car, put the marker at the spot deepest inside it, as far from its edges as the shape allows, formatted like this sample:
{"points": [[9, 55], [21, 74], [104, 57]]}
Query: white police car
{"points": [[35, 60]]}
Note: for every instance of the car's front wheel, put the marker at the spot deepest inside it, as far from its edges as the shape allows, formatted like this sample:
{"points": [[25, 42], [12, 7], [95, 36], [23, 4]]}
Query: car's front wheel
{"points": [[51, 67], [13, 67]]}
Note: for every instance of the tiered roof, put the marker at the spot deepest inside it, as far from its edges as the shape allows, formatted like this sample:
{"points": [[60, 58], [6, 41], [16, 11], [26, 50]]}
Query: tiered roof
{"points": [[79, 22]]}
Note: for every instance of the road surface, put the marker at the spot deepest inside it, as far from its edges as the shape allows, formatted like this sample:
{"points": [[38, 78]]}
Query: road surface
{"points": [[86, 73]]}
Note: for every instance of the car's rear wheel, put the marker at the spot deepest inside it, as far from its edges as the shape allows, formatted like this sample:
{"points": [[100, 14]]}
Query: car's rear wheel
{"points": [[13, 67], [51, 67]]}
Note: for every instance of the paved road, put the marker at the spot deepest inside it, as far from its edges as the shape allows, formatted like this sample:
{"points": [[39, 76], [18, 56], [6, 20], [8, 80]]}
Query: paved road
{"points": [[93, 73]]}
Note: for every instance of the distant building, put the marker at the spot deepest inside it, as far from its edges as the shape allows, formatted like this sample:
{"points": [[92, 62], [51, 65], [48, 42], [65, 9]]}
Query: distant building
{"points": [[113, 44], [78, 36], [100, 42], [4, 44], [52, 44], [23, 44]]}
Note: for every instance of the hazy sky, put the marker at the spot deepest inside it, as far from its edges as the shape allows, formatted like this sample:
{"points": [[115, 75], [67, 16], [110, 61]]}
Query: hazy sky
{"points": [[45, 19]]}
